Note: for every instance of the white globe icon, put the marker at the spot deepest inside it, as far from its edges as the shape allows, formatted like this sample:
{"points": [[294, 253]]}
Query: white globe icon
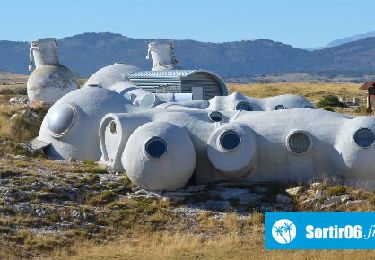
{"points": [[284, 231]]}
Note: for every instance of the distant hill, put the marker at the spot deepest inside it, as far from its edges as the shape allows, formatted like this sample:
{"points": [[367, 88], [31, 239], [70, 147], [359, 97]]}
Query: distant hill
{"points": [[353, 38], [12, 78], [86, 53]]}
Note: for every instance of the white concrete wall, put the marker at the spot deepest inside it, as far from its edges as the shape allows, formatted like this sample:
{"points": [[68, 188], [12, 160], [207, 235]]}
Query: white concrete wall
{"points": [[81, 140], [263, 154], [48, 83], [108, 76], [172, 169], [229, 103]]}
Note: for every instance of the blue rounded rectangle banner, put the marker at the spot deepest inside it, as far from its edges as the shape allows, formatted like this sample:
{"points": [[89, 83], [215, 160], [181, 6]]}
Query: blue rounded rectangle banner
{"points": [[320, 230]]}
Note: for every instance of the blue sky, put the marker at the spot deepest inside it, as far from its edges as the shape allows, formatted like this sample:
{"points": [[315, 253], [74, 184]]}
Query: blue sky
{"points": [[301, 23]]}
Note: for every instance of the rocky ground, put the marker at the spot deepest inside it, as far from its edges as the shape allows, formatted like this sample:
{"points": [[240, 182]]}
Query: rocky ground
{"points": [[46, 205]]}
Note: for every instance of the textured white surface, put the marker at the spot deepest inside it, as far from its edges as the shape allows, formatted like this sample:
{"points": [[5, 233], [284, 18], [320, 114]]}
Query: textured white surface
{"points": [[109, 75], [229, 103], [48, 83], [50, 80], [82, 140], [332, 151], [169, 172], [239, 162]]}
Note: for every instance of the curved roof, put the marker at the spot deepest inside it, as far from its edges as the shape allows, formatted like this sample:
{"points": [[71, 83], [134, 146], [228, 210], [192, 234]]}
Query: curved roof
{"points": [[177, 74]]}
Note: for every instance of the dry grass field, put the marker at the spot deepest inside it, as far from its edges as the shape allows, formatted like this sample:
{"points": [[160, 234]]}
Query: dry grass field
{"points": [[313, 91], [122, 228]]}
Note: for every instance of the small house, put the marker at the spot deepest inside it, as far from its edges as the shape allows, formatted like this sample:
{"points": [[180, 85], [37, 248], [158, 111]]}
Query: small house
{"points": [[203, 85], [369, 86]]}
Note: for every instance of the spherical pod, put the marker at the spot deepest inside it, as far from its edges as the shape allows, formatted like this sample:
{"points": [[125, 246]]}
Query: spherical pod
{"points": [[48, 83], [356, 143], [232, 150], [159, 156], [71, 126]]}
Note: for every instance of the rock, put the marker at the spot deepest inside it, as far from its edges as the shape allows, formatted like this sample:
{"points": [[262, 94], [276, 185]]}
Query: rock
{"points": [[318, 193], [344, 198], [316, 185], [71, 160], [308, 202], [19, 157], [14, 116], [335, 200], [18, 101], [294, 191], [357, 202], [283, 199]]}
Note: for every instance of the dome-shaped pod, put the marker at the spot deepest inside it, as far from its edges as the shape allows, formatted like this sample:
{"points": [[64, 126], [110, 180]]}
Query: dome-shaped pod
{"points": [[356, 143], [286, 102], [232, 150], [48, 83], [159, 156], [109, 75], [50, 80], [71, 125], [235, 101]]}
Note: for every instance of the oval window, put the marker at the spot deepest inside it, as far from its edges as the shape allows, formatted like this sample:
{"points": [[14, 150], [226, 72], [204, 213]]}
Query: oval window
{"points": [[216, 116], [244, 105], [61, 119], [113, 127], [364, 137], [230, 140], [278, 107], [299, 142], [156, 147]]}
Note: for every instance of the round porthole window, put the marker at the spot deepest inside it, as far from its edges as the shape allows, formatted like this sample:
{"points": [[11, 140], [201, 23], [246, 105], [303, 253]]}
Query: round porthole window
{"points": [[230, 140], [299, 142], [61, 119], [243, 105], [156, 147], [364, 137], [278, 107], [216, 116]]}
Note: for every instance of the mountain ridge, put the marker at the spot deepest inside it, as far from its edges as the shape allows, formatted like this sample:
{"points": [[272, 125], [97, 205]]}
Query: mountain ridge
{"points": [[87, 52]]}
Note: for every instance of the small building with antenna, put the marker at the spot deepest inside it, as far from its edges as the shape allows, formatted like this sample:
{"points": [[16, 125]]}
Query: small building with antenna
{"points": [[167, 76]]}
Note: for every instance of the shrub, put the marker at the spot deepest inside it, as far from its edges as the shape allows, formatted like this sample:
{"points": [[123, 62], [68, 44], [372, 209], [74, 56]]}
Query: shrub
{"points": [[330, 101], [336, 190]]}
